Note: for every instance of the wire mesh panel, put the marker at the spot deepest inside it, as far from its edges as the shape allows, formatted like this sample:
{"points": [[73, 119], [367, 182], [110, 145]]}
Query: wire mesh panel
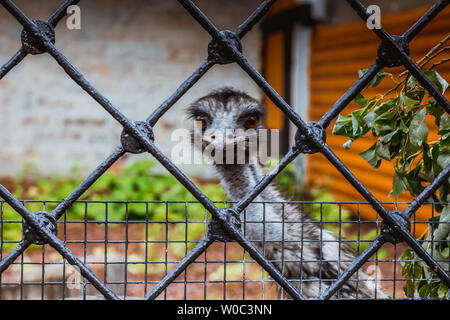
{"points": [[49, 227], [132, 256]]}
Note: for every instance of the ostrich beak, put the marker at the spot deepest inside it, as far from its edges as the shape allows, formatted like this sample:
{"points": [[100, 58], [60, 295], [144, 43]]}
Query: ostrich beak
{"points": [[220, 141]]}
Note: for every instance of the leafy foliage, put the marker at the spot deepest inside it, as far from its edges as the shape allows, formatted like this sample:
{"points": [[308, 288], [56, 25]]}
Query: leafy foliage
{"points": [[137, 182], [140, 181], [397, 120], [421, 279], [401, 134]]}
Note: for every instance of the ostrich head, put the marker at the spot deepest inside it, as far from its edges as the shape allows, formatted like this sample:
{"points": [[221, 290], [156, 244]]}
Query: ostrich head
{"points": [[226, 122]]}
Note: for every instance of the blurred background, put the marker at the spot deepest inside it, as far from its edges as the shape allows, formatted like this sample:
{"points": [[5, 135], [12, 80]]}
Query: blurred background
{"points": [[137, 53]]}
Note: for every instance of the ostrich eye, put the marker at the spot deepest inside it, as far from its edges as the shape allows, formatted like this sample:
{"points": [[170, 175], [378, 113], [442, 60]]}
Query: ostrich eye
{"points": [[251, 122], [200, 122]]}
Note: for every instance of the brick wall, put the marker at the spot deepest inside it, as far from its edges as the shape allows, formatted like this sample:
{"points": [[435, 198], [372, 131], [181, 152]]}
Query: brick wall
{"points": [[134, 52]]}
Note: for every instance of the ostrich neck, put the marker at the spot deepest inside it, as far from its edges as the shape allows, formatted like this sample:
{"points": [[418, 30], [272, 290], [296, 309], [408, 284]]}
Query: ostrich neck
{"points": [[239, 179]]}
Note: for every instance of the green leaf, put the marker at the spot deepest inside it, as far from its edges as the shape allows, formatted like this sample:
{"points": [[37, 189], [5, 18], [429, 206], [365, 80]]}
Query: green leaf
{"points": [[369, 119], [443, 229], [355, 125], [443, 290], [436, 110], [389, 104], [397, 186], [378, 78], [418, 128], [424, 291], [383, 151], [371, 156], [343, 125], [359, 99], [436, 78], [408, 102], [426, 156], [443, 160], [385, 123], [388, 137], [444, 124], [361, 73]]}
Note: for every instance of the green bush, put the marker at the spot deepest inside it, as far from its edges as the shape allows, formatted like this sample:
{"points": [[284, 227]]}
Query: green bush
{"points": [[399, 127], [140, 182]]}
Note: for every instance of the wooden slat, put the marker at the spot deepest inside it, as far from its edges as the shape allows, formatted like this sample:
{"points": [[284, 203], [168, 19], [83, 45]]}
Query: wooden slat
{"points": [[273, 73], [397, 23], [350, 52], [337, 54]]}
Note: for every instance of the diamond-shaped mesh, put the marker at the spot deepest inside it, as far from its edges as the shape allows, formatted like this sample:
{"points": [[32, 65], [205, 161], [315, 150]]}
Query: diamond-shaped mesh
{"points": [[38, 37]]}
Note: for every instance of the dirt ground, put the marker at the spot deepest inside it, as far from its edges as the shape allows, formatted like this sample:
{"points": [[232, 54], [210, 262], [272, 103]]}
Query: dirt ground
{"points": [[223, 272]]}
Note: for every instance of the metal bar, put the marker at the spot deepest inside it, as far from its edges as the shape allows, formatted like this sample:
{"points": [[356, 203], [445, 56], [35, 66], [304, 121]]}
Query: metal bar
{"points": [[428, 191], [150, 147], [209, 205], [56, 243], [354, 266], [269, 91], [241, 31], [61, 12], [254, 18], [185, 181], [406, 60], [245, 65], [21, 54], [13, 255], [350, 94], [359, 85], [259, 257], [240, 59], [70, 69], [373, 201], [11, 63], [201, 18], [19, 15], [175, 272], [182, 89], [421, 252], [384, 213], [91, 179], [425, 19], [261, 185]]}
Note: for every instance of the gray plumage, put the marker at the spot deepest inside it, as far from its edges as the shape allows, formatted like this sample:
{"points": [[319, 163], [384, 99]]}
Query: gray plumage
{"points": [[303, 252]]}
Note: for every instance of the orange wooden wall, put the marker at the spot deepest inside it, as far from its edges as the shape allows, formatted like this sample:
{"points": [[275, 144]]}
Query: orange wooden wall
{"points": [[273, 65], [274, 75], [337, 54]]}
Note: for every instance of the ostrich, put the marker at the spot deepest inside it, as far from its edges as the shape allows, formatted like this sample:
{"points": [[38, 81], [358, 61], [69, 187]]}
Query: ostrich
{"points": [[299, 248]]}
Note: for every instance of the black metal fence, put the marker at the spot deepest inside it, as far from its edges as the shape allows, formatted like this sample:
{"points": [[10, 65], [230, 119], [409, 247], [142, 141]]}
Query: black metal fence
{"points": [[40, 227]]}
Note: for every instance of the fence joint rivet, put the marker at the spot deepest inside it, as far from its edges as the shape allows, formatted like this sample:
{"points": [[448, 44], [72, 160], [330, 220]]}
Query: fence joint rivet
{"points": [[31, 44], [46, 221], [215, 228], [388, 56], [302, 141], [131, 144], [218, 52], [390, 233]]}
